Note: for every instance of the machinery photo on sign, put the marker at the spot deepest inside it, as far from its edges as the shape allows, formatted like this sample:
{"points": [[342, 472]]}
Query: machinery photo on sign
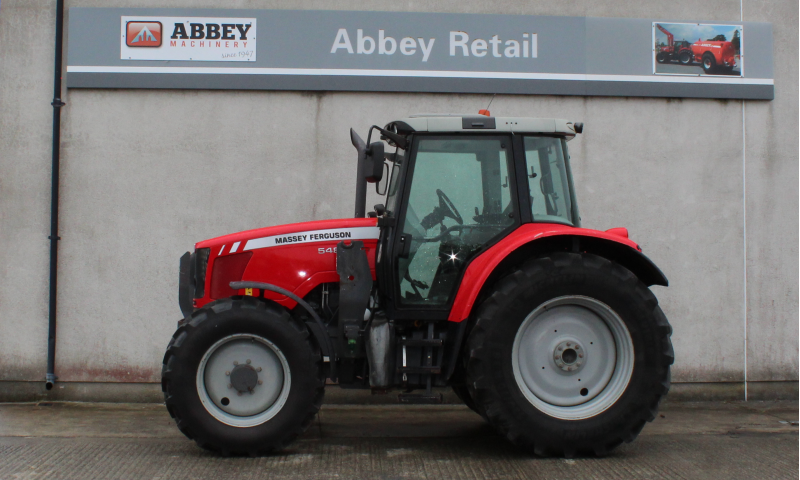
{"points": [[697, 49]]}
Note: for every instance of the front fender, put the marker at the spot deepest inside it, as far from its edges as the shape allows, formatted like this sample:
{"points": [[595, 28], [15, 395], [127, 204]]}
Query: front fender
{"points": [[537, 239]]}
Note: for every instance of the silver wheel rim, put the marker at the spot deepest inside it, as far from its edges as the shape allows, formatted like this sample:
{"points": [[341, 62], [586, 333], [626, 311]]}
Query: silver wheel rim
{"points": [[243, 380], [572, 357]]}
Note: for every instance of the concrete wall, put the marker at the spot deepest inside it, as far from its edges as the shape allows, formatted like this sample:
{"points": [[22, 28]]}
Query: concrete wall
{"points": [[145, 174]]}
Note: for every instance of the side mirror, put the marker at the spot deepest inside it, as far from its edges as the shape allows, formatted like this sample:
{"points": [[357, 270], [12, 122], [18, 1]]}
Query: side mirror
{"points": [[371, 158], [373, 166]]}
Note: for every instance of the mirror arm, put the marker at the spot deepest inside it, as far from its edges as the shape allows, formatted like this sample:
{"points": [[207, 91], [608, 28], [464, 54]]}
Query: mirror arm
{"points": [[398, 140]]}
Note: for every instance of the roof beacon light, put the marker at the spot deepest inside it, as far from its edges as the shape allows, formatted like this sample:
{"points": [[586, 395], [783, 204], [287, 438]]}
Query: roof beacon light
{"points": [[486, 113]]}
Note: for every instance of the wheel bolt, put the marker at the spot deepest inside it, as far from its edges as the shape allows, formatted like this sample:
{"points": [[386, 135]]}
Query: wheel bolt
{"points": [[235, 362], [568, 344], [560, 348], [258, 369], [577, 347], [227, 373], [248, 361], [260, 382], [580, 355]]}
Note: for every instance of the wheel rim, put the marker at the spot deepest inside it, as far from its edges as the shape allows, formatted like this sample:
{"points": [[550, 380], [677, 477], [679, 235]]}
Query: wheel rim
{"points": [[707, 63], [243, 380], [572, 357]]}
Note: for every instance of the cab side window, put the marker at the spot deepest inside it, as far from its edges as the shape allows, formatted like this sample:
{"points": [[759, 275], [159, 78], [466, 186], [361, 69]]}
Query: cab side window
{"points": [[547, 180]]}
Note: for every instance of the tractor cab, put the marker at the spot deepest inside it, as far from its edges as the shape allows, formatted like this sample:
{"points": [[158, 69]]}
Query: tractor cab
{"points": [[457, 185]]}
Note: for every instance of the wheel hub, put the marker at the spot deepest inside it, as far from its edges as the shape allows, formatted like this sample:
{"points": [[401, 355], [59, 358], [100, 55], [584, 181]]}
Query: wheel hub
{"points": [[569, 356], [244, 378]]}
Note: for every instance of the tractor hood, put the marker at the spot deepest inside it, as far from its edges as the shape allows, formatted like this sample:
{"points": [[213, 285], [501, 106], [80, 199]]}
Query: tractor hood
{"points": [[297, 257]]}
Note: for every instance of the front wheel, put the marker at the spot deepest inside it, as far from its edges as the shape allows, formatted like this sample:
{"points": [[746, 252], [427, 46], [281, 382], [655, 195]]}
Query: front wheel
{"points": [[685, 58], [569, 355], [241, 377]]}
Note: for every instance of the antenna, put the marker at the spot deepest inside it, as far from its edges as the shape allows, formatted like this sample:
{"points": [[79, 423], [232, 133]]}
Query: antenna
{"points": [[486, 110]]}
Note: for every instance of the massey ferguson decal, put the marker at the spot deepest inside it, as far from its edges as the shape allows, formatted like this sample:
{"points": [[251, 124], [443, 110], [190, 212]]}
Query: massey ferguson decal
{"points": [[335, 234], [206, 39]]}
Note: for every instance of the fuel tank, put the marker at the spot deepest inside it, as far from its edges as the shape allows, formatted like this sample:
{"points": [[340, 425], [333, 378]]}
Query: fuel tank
{"points": [[296, 257]]}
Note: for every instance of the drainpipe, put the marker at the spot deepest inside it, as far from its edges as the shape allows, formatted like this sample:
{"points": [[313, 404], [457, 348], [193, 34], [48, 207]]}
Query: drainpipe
{"points": [[50, 379]]}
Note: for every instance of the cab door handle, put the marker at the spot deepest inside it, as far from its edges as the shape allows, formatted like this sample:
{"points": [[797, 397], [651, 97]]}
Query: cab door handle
{"points": [[405, 245]]}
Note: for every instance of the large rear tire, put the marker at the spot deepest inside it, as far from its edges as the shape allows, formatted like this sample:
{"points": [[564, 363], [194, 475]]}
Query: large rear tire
{"points": [[241, 377], [709, 64], [569, 355]]}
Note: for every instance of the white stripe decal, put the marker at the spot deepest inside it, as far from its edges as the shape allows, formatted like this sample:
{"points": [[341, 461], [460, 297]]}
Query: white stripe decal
{"points": [[221, 250], [234, 247], [333, 234], [427, 73]]}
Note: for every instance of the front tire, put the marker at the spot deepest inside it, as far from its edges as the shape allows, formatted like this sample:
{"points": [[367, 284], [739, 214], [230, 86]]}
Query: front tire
{"points": [[569, 355], [241, 377], [685, 58]]}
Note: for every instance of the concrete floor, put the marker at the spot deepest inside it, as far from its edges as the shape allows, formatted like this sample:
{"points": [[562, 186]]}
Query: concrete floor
{"points": [[139, 441]]}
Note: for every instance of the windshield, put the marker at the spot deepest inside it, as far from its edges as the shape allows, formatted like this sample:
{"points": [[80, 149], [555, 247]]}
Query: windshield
{"points": [[549, 181]]}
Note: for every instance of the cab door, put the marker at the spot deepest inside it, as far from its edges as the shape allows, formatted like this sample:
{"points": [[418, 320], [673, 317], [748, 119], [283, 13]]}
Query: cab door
{"points": [[457, 196]]}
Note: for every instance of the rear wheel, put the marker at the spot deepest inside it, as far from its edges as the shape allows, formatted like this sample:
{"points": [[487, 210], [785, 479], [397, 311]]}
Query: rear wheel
{"points": [[685, 58], [241, 377], [569, 355], [661, 57], [709, 64]]}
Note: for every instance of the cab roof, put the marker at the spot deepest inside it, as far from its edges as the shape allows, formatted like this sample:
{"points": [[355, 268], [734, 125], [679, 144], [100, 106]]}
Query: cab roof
{"points": [[455, 123]]}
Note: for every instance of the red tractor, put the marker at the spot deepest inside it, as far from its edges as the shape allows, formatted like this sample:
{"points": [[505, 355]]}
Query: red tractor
{"points": [[475, 274], [715, 56], [680, 50]]}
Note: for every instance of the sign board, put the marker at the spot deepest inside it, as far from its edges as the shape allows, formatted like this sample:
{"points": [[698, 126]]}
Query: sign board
{"points": [[416, 52]]}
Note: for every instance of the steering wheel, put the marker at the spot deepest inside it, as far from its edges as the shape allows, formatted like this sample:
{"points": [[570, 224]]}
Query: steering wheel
{"points": [[447, 208]]}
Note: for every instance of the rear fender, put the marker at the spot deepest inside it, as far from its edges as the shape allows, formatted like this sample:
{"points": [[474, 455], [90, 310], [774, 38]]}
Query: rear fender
{"points": [[530, 242]]}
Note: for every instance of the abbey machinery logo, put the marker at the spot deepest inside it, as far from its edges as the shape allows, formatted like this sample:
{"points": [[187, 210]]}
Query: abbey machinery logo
{"points": [[143, 34], [193, 39]]}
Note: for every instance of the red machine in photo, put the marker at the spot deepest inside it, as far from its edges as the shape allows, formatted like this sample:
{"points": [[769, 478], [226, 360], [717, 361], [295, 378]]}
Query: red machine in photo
{"points": [[715, 56], [680, 50]]}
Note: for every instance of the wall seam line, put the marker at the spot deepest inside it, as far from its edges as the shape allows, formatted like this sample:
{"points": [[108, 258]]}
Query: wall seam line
{"points": [[744, 216]]}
